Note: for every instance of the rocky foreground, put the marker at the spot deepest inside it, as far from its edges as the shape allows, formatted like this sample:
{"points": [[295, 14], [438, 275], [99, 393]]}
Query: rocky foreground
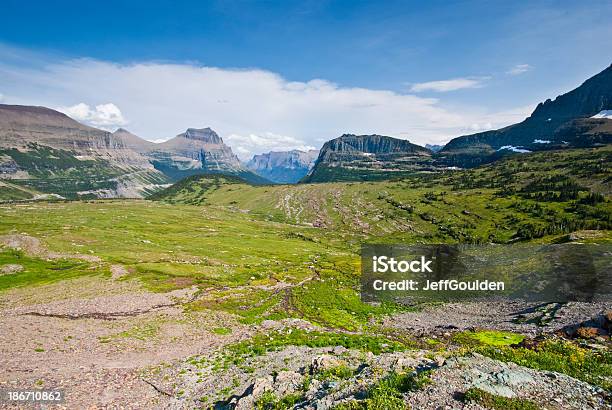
{"points": [[336, 377], [110, 344]]}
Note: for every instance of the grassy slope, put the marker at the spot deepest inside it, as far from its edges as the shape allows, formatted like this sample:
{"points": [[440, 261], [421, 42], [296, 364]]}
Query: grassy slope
{"points": [[13, 192], [496, 203], [62, 172], [193, 189], [169, 168], [242, 239], [324, 173]]}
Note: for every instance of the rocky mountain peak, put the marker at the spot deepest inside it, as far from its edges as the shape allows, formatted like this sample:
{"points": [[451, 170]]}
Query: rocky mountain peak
{"points": [[194, 150], [591, 97], [566, 121], [24, 116], [23, 125], [206, 135], [133, 141]]}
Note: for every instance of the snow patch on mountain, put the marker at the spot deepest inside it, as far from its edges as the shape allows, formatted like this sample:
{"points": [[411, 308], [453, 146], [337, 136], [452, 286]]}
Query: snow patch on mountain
{"points": [[537, 141], [603, 114], [514, 149]]}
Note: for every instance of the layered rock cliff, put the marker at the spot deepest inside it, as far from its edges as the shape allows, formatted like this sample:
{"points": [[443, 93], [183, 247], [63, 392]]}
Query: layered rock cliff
{"points": [[202, 148], [367, 157], [22, 126]]}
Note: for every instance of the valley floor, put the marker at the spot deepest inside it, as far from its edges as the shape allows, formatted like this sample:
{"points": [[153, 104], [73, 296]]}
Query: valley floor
{"points": [[136, 304]]}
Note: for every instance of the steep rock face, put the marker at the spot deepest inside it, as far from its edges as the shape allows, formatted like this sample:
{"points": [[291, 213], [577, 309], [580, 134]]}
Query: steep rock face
{"points": [[197, 149], [22, 124], [350, 147], [593, 96], [284, 167], [367, 157], [548, 127]]}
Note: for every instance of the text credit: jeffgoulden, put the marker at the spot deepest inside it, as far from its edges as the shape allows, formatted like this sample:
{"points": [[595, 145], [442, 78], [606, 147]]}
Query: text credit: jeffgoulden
{"points": [[443, 272]]}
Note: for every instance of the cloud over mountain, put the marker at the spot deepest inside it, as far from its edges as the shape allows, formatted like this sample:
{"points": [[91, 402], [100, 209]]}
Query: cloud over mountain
{"points": [[106, 116]]}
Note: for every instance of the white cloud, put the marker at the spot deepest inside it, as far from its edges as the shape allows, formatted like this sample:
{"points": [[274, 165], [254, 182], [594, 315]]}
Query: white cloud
{"points": [[253, 110], [1, 98], [453, 84], [499, 119], [519, 69], [106, 116]]}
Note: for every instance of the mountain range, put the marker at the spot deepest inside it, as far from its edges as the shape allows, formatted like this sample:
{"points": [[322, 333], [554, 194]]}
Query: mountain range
{"points": [[579, 118], [43, 151]]}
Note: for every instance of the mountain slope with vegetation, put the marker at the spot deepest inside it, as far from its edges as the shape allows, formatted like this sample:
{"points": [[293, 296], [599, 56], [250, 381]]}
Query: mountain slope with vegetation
{"points": [[523, 197], [561, 123], [220, 291], [45, 151]]}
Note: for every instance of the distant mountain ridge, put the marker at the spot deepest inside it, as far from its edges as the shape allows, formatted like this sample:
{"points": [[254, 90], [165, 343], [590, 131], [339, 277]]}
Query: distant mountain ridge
{"points": [[367, 157], [434, 147], [561, 123], [283, 167]]}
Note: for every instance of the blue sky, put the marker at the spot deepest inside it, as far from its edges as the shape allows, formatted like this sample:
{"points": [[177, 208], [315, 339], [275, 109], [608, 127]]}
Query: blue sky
{"points": [[478, 64]]}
